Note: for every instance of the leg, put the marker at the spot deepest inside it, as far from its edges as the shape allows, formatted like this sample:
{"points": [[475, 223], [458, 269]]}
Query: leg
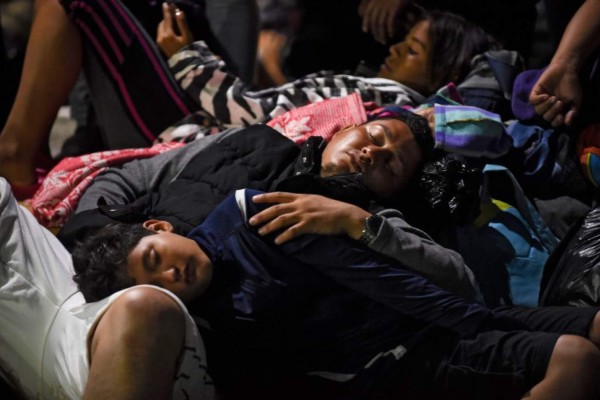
{"points": [[135, 347], [498, 365], [52, 62], [134, 94], [572, 371], [230, 21]]}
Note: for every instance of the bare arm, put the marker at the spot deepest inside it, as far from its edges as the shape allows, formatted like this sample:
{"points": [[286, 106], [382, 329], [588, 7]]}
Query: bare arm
{"points": [[557, 93]]}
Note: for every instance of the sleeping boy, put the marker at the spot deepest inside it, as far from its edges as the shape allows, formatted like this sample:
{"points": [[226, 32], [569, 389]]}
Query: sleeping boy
{"points": [[326, 309]]}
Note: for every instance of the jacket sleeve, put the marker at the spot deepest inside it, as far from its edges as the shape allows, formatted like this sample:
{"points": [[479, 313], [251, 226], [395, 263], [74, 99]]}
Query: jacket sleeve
{"points": [[233, 102], [417, 251], [470, 131], [125, 184]]}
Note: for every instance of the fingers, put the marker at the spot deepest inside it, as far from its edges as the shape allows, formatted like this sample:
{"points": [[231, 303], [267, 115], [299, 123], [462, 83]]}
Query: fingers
{"points": [[288, 234], [551, 109], [167, 16], [545, 106], [265, 215], [275, 197], [536, 97], [557, 121], [279, 220], [281, 206], [184, 30], [570, 116]]}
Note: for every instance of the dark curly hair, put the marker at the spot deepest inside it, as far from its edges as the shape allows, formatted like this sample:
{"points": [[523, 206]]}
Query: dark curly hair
{"points": [[100, 259]]}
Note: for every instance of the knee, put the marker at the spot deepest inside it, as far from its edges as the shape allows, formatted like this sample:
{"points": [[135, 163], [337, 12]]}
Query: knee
{"points": [[577, 353], [594, 333], [145, 315]]}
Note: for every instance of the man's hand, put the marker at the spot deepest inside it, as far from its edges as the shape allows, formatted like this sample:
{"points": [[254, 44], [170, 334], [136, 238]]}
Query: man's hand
{"points": [[557, 95], [379, 17], [298, 214], [173, 33]]}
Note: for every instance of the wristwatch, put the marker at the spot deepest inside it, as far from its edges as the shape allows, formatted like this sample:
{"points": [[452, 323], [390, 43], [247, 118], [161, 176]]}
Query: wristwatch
{"points": [[371, 228]]}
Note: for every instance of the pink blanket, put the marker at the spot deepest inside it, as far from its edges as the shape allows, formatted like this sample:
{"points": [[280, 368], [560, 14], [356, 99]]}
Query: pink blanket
{"points": [[62, 188], [320, 119]]}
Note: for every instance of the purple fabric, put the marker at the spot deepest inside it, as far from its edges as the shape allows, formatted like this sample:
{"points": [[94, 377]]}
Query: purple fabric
{"points": [[524, 82]]}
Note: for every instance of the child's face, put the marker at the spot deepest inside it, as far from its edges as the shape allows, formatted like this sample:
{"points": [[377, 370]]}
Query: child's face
{"points": [[408, 62], [173, 262]]}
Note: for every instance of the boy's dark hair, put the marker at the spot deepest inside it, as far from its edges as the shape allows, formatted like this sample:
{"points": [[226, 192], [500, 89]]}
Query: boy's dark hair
{"points": [[454, 42], [100, 259]]}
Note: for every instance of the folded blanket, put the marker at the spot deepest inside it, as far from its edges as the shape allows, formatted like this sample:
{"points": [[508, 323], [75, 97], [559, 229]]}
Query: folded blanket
{"points": [[62, 188], [323, 118]]}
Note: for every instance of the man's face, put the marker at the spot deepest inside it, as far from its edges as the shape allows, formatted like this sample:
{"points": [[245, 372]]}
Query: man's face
{"points": [[408, 62], [385, 152], [173, 262]]}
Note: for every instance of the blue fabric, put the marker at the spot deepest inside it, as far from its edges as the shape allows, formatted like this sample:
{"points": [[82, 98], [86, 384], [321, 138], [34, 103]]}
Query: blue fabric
{"points": [[526, 268], [543, 161], [508, 248], [538, 145]]}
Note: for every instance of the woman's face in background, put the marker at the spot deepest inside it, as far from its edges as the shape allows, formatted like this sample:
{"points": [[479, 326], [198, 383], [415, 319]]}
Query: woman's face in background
{"points": [[409, 61]]}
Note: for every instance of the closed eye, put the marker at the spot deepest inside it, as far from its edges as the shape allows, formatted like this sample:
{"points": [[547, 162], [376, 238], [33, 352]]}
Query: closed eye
{"points": [[376, 135], [151, 260]]}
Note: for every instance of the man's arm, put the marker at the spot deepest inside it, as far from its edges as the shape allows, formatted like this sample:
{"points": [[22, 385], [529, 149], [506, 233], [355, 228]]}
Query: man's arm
{"points": [[417, 251], [383, 280], [297, 214], [557, 93]]}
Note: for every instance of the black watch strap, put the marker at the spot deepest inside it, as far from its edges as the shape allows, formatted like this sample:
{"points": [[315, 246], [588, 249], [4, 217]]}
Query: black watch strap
{"points": [[371, 228]]}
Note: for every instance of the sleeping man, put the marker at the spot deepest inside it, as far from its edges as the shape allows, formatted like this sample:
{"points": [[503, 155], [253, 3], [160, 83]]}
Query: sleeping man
{"points": [[324, 312]]}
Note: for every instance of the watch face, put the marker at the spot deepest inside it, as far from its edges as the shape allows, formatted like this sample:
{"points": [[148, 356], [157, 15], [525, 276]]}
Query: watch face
{"points": [[374, 224]]}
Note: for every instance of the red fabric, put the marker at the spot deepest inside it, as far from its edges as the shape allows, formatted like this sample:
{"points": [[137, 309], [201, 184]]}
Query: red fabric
{"points": [[62, 188], [323, 118]]}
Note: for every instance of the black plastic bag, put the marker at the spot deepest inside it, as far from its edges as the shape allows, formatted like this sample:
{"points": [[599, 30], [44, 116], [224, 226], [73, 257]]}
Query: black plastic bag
{"points": [[572, 275], [452, 189]]}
